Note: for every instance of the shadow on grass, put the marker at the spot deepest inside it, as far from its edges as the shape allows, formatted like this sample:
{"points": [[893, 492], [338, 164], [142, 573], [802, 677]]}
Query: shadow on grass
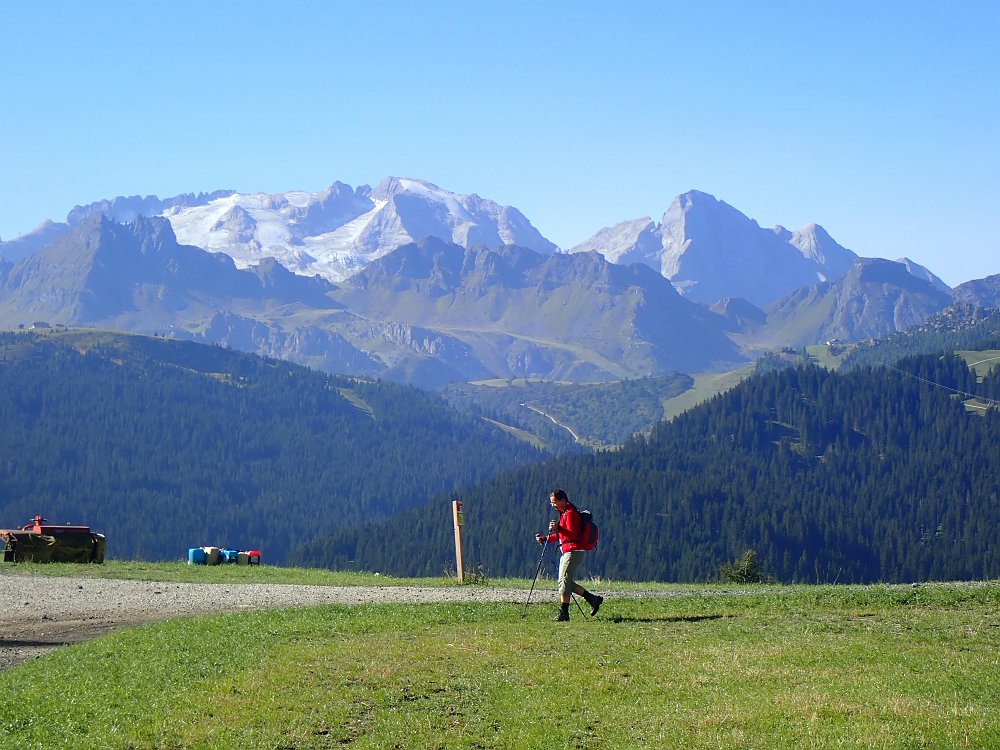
{"points": [[680, 618]]}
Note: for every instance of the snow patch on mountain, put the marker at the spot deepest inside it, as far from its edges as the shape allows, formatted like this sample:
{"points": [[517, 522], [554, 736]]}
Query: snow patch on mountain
{"points": [[339, 231], [711, 251]]}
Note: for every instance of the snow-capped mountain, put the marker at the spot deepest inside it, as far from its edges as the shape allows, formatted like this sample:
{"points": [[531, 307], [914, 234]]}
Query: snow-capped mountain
{"points": [[336, 232], [711, 251], [428, 312], [432, 311], [708, 250]]}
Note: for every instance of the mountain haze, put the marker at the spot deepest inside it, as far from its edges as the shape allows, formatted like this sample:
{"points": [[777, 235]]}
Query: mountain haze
{"points": [[429, 312], [565, 317], [411, 282], [875, 298], [981, 292], [127, 276], [711, 251]]}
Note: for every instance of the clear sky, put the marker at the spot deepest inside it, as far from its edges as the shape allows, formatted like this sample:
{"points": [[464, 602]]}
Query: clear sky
{"points": [[879, 120]]}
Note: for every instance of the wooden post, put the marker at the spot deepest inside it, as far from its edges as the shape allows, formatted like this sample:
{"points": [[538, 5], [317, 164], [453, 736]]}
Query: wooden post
{"points": [[459, 516]]}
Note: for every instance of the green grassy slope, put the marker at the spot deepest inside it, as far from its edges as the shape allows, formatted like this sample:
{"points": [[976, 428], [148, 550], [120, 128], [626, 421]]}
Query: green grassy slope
{"points": [[818, 667]]}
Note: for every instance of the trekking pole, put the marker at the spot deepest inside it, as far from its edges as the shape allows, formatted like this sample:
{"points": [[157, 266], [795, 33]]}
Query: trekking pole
{"points": [[538, 569]]}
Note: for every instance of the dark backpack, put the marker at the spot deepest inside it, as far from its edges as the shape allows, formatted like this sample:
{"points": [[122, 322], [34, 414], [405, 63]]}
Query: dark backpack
{"points": [[590, 532]]}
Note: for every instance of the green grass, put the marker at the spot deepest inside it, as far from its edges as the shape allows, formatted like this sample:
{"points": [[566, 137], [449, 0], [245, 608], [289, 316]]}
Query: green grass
{"points": [[982, 361], [808, 667], [830, 357], [172, 572], [522, 435], [182, 573], [706, 385]]}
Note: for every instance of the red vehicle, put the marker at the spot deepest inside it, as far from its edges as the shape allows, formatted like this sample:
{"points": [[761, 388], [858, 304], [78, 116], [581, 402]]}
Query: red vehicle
{"points": [[40, 541]]}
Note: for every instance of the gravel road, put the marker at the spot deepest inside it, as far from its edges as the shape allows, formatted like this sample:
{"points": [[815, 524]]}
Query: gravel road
{"points": [[40, 613]]}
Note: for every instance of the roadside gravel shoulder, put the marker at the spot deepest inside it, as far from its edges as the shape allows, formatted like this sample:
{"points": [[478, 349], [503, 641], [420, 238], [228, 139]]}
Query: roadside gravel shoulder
{"points": [[40, 613]]}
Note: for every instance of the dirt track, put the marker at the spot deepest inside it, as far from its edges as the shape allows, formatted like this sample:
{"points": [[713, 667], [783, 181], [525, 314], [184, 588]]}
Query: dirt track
{"points": [[40, 613]]}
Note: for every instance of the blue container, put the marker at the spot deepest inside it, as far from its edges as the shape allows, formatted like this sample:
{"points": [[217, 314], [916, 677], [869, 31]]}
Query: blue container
{"points": [[229, 555], [196, 556]]}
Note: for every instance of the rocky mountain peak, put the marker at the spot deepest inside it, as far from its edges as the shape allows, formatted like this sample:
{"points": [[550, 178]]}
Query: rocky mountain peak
{"points": [[982, 292]]}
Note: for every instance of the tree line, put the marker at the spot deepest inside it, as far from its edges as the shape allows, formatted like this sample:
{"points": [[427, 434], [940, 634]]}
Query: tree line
{"points": [[868, 475], [164, 445]]}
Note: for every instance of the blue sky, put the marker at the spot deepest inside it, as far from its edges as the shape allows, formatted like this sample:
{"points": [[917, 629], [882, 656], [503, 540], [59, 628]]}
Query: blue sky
{"points": [[877, 120]]}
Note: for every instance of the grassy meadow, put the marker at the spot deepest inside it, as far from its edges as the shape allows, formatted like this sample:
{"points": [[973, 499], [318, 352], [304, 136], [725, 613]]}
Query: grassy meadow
{"points": [[691, 667]]}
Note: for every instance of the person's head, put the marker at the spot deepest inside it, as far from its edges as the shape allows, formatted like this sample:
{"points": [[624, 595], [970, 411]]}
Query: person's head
{"points": [[558, 500]]}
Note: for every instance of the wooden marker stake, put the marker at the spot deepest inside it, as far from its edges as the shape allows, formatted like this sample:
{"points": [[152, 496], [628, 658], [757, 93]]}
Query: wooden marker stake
{"points": [[459, 515]]}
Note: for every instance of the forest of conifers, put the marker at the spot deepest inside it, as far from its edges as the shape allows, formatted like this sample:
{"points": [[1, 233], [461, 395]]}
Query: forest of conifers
{"points": [[165, 445], [873, 475]]}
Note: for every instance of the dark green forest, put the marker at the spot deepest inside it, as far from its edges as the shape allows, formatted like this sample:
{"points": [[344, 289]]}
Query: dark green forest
{"points": [[874, 474], [164, 445]]}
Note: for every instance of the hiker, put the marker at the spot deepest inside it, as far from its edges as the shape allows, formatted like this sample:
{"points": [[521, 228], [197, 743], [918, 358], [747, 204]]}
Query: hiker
{"points": [[568, 531]]}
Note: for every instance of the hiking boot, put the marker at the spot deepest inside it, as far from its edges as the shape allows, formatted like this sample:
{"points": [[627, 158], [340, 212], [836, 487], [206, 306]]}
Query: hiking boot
{"points": [[595, 603], [563, 615]]}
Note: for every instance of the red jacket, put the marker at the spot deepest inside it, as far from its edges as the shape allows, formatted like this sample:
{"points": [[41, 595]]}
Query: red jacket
{"points": [[569, 531]]}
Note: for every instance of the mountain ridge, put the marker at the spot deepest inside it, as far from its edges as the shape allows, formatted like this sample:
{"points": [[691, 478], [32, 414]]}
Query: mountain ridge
{"points": [[711, 251], [432, 312], [708, 249], [874, 298]]}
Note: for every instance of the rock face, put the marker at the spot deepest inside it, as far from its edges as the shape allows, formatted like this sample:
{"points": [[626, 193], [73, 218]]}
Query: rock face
{"points": [[711, 251], [428, 313], [574, 317], [412, 282], [981, 292], [137, 277], [23, 246], [875, 298]]}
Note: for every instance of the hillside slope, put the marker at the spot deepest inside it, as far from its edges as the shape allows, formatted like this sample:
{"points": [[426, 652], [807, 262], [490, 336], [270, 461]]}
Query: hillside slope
{"points": [[164, 445], [872, 475]]}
